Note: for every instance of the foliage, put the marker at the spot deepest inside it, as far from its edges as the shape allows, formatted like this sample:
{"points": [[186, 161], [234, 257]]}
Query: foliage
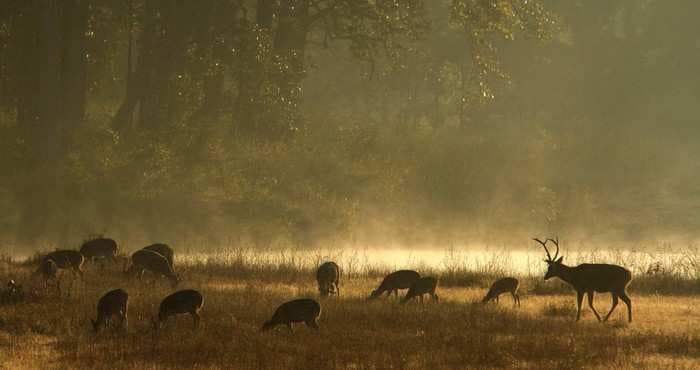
{"points": [[191, 118], [304, 122]]}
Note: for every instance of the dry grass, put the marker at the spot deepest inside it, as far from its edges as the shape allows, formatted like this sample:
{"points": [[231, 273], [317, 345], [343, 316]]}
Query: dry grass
{"points": [[54, 332]]}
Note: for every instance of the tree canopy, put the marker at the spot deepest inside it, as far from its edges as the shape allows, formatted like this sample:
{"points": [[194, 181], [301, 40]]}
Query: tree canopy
{"points": [[311, 120]]}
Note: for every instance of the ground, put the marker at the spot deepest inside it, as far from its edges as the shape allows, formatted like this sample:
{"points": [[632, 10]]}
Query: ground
{"points": [[50, 331]]}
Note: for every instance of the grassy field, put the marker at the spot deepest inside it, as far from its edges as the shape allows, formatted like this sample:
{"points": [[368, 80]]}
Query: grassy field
{"points": [[51, 331]]}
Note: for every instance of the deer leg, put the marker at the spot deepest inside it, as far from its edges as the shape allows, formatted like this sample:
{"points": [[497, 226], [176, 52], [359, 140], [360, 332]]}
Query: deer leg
{"points": [[337, 290], [614, 304], [628, 302], [312, 324], [195, 319], [515, 299], [590, 304], [125, 321], [579, 300], [291, 327]]}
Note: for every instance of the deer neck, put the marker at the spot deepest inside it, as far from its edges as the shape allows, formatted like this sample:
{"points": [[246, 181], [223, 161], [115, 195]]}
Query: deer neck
{"points": [[566, 273]]}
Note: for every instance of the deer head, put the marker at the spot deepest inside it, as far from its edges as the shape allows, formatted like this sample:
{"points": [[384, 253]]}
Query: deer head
{"points": [[375, 294], [96, 324], [554, 264]]}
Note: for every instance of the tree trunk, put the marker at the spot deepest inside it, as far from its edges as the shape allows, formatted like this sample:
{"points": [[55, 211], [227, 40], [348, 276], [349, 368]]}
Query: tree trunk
{"points": [[50, 99], [74, 76], [39, 110], [172, 46], [273, 116], [27, 68], [154, 88], [209, 67], [139, 82]]}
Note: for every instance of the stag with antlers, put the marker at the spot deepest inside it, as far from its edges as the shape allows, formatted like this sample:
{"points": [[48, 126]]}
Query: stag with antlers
{"points": [[588, 278]]}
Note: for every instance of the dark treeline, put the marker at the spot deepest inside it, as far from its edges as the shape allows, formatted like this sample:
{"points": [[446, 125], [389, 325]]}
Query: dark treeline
{"points": [[363, 121]]}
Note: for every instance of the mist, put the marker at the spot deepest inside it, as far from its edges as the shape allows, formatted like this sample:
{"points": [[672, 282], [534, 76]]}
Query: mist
{"points": [[410, 123]]}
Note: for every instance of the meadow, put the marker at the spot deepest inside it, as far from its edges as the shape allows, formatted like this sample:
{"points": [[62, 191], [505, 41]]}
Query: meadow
{"points": [[243, 287]]}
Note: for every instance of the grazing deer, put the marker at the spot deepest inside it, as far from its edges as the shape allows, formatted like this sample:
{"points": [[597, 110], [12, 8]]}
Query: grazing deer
{"points": [[154, 262], [181, 302], [68, 259], [504, 285], [589, 278], [299, 310], [99, 248], [113, 303], [424, 285], [327, 276], [162, 249], [49, 272], [402, 279]]}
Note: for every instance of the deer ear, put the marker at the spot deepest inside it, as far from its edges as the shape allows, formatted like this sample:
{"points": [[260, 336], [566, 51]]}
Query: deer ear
{"points": [[560, 259]]}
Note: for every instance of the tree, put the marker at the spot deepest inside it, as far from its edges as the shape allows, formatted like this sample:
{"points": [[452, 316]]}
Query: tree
{"points": [[51, 91]]}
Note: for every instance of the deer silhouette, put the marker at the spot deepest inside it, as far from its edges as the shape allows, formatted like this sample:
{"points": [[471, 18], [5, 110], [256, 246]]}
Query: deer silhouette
{"points": [[504, 285], [588, 278]]}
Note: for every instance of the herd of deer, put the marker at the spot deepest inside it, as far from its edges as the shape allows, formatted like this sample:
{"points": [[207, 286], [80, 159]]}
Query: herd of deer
{"points": [[158, 259]]}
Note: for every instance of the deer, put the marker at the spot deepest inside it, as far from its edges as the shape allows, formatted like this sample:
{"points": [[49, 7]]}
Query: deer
{"points": [[304, 310], [181, 302], [327, 276], [48, 269], [99, 248], [401, 279], [162, 249], [68, 259], [422, 286], [589, 278], [504, 285], [113, 303], [154, 262]]}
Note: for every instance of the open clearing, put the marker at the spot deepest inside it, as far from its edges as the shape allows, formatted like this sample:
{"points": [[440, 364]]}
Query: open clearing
{"points": [[48, 331]]}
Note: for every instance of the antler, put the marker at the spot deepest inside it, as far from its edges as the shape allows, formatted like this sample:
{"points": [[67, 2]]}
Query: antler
{"points": [[544, 245], [556, 242]]}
